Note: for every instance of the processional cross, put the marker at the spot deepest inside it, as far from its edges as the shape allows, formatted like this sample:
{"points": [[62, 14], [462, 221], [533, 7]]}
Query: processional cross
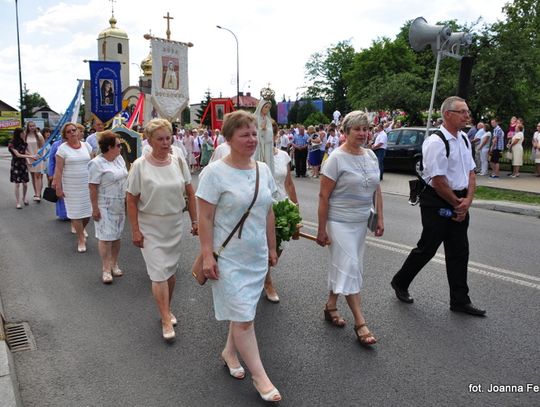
{"points": [[168, 18]]}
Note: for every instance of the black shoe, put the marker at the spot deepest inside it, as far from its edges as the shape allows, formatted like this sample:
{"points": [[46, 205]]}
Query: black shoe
{"points": [[468, 309], [402, 295]]}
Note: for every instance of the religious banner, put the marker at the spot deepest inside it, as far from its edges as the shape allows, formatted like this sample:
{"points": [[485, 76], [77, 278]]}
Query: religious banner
{"points": [[105, 89], [169, 77]]}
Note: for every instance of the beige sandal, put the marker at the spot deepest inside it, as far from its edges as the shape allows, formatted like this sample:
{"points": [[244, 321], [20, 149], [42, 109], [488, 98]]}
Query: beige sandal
{"points": [[107, 277]]}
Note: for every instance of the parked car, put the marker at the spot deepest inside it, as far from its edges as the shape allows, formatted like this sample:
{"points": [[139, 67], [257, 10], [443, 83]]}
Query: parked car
{"points": [[404, 150]]}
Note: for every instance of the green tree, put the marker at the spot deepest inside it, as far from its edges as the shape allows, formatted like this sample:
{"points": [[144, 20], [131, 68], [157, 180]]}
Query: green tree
{"points": [[31, 101], [506, 76], [204, 104], [327, 73], [315, 119], [304, 110], [292, 116]]}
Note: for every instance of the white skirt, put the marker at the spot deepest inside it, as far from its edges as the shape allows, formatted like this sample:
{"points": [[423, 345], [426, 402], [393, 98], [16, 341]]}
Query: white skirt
{"points": [[161, 251], [346, 256]]}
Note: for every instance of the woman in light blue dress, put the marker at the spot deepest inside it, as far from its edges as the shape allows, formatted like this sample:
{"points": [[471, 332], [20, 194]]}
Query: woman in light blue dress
{"points": [[226, 189]]}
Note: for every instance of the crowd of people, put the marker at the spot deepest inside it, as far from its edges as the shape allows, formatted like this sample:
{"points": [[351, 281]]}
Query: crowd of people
{"points": [[245, 168]]}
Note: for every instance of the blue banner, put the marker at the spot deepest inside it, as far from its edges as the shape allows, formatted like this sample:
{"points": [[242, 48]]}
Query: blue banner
{"points": [[105, 89]]}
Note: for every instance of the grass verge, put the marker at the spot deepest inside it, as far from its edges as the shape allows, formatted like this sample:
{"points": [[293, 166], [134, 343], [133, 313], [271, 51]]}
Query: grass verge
{"points": [[498, 194]]}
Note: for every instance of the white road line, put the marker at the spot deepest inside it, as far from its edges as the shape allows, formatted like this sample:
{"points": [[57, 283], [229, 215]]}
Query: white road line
{"points": [[478, 268]]}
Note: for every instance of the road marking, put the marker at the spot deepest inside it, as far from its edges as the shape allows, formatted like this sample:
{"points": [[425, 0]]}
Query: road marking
{"points": [[478, 268]]}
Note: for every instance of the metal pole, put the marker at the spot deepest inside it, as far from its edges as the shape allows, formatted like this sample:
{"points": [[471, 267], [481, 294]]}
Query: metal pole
{"points": [[19, 55], [435, 78], [237, 66]]}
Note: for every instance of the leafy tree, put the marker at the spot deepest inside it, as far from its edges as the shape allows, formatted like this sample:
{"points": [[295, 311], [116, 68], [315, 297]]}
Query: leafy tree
{"points": [[316, 118], [204, 104], [327, 71], [292, 116], [306, 108], [31, 101], [506, 76]]}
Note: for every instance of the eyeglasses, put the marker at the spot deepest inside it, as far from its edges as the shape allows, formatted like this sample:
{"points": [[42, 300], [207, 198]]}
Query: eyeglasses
{"points": [[463, 111]]}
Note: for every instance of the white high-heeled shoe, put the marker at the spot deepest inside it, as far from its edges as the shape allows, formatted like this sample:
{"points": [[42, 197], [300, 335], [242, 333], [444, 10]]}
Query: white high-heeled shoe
{"points": [[237, 373], [272, 396], [169, 336]]}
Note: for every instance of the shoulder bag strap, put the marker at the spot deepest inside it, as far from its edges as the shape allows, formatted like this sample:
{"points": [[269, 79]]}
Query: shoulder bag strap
{"points": [[240, 223]]}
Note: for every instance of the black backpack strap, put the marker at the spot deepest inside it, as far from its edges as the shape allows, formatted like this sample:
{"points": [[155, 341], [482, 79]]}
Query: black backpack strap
{"points": [[444, 140]]}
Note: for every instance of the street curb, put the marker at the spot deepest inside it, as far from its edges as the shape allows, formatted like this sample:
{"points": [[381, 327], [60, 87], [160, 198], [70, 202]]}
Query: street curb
{"points": [[499, 206], [9, 386], [508, 207]]}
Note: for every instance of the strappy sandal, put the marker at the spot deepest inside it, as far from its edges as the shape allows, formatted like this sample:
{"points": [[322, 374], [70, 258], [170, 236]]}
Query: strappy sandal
{"points": [[237, 373], [366, 339], [106, 277], [335, 320]]}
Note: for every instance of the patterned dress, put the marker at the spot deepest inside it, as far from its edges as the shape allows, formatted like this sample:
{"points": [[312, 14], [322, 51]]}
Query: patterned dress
{"points": [[19, 169], [110, 176]]}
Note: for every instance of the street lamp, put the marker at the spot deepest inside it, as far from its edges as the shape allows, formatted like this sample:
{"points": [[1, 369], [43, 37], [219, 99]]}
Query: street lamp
{"points": [[237, 67], [19, 55]]}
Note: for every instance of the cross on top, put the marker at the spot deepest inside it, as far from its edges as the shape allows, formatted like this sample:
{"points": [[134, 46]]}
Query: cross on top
{"points": [[112, 5], [168, 18]]}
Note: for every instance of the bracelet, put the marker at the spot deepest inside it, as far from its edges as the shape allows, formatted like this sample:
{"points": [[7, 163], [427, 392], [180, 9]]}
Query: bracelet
{"points": [[194, 222]]}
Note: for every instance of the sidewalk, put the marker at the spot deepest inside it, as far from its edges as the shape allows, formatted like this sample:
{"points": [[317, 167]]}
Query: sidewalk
{"points": [[398, 184], [9, 387]]}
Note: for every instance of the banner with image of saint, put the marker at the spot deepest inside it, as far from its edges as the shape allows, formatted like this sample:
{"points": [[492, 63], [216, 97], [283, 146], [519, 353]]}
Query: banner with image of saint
{"points": [[105, 89], [170, 94]]}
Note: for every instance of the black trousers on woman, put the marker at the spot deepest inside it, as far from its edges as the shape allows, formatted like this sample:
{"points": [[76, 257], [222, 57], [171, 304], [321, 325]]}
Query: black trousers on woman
{"points": [[437, 230]]}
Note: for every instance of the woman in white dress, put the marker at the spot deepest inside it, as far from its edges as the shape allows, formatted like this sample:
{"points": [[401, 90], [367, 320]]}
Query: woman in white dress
{"points": [[35, 141], [265, 135], [155, 201], [285, 190], [483, 150], [536, 150], [71, 181], [350, 177], [226, 189], [516, 146], [107, 182]]}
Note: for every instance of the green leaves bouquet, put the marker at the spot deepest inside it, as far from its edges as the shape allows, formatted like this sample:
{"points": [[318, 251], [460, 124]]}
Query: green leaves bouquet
{"points": [[288, 218]]}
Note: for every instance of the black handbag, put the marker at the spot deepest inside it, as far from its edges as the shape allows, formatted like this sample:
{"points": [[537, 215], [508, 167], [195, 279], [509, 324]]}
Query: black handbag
{"points": [[49, 194]]}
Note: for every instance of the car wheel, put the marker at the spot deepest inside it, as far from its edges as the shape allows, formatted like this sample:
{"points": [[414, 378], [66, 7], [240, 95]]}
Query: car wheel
{"points": [[418, 166]]}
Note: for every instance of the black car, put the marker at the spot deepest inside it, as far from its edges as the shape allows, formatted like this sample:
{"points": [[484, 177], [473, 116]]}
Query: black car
{"points": [[404, 150]]}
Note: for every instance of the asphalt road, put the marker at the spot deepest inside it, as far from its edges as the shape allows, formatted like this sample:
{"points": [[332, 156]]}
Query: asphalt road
{"points": [[101, 345]]}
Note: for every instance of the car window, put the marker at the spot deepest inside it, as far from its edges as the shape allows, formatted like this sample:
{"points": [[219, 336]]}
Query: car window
{"points": [[408, 137], [392, 136]]}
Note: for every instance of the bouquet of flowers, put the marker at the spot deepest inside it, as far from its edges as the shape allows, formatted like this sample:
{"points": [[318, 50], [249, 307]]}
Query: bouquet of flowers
{"points": [[288, 218]]}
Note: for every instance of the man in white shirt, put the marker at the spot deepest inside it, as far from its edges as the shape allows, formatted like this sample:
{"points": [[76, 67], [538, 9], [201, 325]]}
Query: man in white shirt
{"points": [[444, 204], [379, 147]]}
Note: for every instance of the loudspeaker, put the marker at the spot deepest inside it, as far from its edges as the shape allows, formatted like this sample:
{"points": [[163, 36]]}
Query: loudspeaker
{"points": [[456, 40], [465, 71], [421, 34]]}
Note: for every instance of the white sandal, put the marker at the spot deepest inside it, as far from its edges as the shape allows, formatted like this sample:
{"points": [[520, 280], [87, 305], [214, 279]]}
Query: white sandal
{"points": [[116, 272], [270, 396], [107, 277], [237, 373]]}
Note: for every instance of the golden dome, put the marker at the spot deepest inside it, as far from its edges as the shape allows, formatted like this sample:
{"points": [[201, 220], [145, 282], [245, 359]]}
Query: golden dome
{"points": [[112, 31], [146, 65]]}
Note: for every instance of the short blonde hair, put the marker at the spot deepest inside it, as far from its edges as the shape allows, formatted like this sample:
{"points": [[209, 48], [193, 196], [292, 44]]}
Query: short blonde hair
{"points": [[156, 124], [355, 118], [236, 120]]}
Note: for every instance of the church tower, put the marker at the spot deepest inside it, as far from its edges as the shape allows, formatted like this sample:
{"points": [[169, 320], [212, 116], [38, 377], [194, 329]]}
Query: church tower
{"points": [[113, 45]]}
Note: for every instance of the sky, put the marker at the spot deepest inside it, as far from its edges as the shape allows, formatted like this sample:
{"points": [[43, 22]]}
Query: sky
{"points": [[276, 39]]}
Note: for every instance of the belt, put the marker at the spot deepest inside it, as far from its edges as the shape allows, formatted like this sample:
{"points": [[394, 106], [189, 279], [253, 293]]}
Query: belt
{"points": [[461, 193]]}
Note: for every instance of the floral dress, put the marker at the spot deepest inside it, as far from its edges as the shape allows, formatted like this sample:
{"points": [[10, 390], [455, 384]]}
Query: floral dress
{"points": [[19, 168]]}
